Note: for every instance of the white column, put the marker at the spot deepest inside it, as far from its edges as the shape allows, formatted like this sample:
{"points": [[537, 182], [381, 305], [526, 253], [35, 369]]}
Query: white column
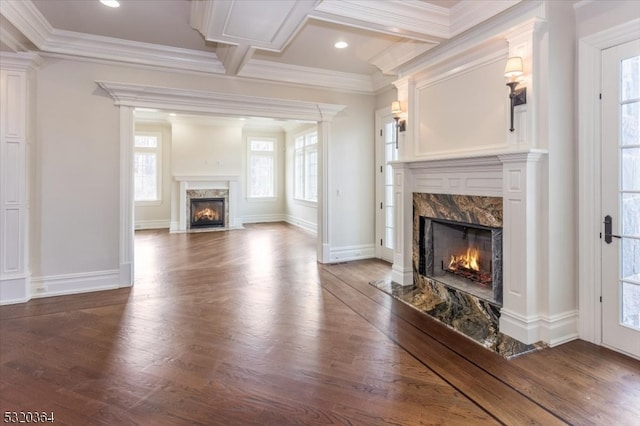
{"points": [[323, 243], [14, 167], [127, 132], [402, 269], [520, 316]]}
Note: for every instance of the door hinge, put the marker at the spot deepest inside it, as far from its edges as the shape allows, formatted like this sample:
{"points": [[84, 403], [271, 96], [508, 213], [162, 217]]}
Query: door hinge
{"points": [[380, 169], [600, 97], [380, 132], [380, 241], [380, 206], [600, 299]]}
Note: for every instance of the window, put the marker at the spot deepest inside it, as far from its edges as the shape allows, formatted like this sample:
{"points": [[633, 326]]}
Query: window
{"points": [[305, 167], [147, 167], [261, 168]]}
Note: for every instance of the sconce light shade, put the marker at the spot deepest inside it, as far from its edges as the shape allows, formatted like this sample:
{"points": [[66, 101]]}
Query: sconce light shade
{"points": [[396, 110], [513, 68], [395, 107], [512, 71]]}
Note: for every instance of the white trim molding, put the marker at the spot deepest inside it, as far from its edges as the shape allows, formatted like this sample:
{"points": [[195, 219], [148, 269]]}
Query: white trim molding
{"points": [[228, 104], [59, 285], [16, 158], [349, 253], [589, 191], [302, 223]]}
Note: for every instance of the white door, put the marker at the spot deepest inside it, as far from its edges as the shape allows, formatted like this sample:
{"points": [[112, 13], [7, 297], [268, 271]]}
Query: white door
{"points": [[621, 198], [386, 151]]}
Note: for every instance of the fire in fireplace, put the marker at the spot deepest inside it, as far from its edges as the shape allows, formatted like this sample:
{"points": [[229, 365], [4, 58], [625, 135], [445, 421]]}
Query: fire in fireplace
{"points": [[462, 255], [207, 212]]}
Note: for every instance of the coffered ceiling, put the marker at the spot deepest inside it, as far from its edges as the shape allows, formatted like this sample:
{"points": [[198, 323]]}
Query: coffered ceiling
{"points": [[278, 40]]}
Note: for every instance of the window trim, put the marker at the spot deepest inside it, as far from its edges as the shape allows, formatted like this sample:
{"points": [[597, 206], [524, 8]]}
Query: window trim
{"points": [[159, 169], [274, 156], [304, 149]]}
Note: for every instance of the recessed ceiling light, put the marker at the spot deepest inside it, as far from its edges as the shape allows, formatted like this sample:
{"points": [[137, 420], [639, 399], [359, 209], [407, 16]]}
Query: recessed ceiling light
{"points": [[110, 3], [341, 44]]}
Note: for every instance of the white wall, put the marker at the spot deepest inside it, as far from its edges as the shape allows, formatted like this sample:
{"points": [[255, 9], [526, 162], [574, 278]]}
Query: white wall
{"points": [[300, 213], [557, 132], [463, 111], [78, 141], [352, 182]]}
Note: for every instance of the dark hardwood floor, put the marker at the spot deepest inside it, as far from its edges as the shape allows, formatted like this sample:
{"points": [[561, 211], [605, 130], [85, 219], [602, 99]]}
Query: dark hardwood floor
{"points": [[245, 328]]}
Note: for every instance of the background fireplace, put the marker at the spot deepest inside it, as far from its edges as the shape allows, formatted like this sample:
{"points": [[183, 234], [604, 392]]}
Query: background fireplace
{"points": [[207, 212]]}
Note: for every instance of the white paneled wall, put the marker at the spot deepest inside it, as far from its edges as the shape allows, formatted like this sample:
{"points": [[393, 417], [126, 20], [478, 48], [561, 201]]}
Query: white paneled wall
{"points": [[14, 194]]}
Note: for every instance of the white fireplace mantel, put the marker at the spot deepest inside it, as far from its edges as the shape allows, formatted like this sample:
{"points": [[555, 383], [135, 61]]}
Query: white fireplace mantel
{"points": [[515, 176], [186, 182]]}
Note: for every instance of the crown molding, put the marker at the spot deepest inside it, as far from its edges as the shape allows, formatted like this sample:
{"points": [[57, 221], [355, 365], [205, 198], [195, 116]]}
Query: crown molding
{"points": [[399, 53], [410, 18], [20, 61], [88, 45], [225, 104], [27, 19], [463, 44], [469, 13], [30, 22], [307, 76]]}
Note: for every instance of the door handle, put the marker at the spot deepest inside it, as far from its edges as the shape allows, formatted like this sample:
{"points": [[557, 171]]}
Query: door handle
{"points": [[608, 223]]}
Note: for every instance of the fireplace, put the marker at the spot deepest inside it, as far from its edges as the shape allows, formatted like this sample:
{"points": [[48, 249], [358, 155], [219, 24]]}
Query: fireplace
{"points": [[207, 212], [462, 255]]}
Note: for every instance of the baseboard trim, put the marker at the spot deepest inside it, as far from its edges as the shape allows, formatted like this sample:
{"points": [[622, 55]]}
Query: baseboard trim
{"points": [[349, 253], [262, 218], [302, 223], [152, 224], [59, 285], [553, 330]]}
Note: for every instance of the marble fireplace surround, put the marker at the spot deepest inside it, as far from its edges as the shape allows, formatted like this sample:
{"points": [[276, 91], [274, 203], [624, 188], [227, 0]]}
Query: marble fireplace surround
{"points": [[206, 187], [514, 177]]}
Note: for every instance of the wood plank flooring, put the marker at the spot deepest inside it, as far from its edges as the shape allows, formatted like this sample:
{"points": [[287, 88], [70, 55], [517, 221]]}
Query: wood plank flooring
{"points": [[245, 328]]}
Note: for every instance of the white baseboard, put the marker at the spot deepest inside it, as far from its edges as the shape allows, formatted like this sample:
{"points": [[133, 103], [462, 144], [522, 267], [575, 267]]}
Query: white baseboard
{"points": [[553, 330], [348, 253], [152, 224], [302, 223], [15, 289], [58, 285], [262, 218]]}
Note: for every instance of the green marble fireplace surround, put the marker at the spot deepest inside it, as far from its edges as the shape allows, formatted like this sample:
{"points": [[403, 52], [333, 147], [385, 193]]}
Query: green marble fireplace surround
{"points": [[472, 313]]}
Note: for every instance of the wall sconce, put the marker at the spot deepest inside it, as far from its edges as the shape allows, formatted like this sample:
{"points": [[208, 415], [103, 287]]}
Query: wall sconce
{"points": [[396, 110], [512, 71]]}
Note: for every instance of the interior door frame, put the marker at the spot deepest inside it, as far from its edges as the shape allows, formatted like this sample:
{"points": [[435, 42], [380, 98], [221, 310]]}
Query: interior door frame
{"points": [[589, 176]]}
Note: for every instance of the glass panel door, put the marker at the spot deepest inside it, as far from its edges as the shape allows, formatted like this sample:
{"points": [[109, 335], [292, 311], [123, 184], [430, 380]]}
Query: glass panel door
{"points": [[621, 198]]}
